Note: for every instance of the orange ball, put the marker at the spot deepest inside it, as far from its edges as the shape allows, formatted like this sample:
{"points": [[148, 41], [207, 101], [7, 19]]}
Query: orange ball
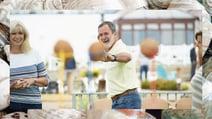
{"points": [[96, 51], [62, 45], [149, 48], [65, 47]]}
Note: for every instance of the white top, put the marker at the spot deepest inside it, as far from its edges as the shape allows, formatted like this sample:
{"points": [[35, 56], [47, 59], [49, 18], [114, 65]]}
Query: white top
{"points": [[121, 76], [20, 60], [25, 66]]}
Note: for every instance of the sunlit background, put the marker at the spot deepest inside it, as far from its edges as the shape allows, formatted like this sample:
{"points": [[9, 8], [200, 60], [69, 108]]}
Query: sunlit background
{"points": [[172, 23], [79, 28], [173, 29]]}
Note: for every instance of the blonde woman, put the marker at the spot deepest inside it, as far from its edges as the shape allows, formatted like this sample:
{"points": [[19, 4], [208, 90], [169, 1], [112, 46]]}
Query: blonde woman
{"points": [[27, 71]]}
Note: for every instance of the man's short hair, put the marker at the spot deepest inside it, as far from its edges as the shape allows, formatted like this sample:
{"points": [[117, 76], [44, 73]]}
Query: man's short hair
{"points": [[198, 34], [110, 24]]}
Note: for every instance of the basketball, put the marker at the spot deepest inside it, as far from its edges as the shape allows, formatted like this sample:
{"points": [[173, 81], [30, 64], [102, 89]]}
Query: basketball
{"points": [[63, 46], [149, 48], [96, 51]]}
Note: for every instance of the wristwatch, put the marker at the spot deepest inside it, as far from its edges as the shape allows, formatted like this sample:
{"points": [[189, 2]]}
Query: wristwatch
{"points": [[115, 58]]}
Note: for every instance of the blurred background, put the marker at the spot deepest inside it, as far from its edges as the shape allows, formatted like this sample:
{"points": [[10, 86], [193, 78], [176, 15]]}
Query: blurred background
{"points": [[65, 34], [64, 38]]}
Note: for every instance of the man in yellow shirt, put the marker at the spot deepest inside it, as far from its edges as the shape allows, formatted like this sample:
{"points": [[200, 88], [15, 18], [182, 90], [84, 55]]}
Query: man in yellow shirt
{"points": [[121, 69]]}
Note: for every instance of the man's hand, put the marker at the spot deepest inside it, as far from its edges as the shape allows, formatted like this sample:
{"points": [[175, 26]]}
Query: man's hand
{"points": [[121, 57], [109, 58]]}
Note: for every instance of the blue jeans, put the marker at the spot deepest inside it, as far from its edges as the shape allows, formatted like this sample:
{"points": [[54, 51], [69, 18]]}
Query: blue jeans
{"points": [[144, 68], [21, 107], [130, 101]]}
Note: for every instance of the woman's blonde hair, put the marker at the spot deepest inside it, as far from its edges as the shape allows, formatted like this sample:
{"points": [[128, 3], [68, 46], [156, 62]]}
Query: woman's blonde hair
{"points": [[18, 26]]}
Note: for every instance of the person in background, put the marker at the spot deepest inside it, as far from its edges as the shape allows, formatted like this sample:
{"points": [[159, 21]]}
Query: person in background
{"points": [[70, 66], [193, 58], [196, 81], [198, 37], [27, 71], [144, 66], [120, 69]]}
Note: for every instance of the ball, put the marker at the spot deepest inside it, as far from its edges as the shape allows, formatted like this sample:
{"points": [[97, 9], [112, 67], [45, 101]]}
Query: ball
{"points": [[63, 46], [149, 48], [96, 51]]}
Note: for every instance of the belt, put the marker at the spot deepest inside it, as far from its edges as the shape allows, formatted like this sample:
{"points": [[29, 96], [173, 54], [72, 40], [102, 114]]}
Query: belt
{"points": [[124, 93]]}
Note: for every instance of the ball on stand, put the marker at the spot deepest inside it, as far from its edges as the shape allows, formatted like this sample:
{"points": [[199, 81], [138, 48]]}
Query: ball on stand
{"points": [[63, 46], [96, 51], [64, 52], [149, 48]]}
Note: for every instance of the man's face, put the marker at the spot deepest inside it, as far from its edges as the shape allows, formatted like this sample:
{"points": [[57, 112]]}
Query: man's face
{"points": [[106, 37], [199, 39]]}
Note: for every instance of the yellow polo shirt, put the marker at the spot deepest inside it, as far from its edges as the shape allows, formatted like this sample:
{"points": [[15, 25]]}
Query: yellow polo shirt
{"points": [[121, 76]]}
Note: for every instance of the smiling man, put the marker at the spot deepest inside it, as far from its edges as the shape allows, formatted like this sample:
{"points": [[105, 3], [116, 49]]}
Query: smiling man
{"points": [[121, 69]]}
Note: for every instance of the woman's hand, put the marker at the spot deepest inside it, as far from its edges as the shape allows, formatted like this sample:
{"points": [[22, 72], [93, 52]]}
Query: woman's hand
{"points": [[22, 83]]}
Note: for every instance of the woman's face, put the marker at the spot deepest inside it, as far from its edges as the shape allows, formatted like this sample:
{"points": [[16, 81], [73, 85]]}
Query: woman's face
{"points": [[17, 37]]}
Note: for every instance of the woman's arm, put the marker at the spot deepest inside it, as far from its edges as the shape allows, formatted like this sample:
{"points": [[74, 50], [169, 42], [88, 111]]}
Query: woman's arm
{"points": [[41, 81], [27, 82]]}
